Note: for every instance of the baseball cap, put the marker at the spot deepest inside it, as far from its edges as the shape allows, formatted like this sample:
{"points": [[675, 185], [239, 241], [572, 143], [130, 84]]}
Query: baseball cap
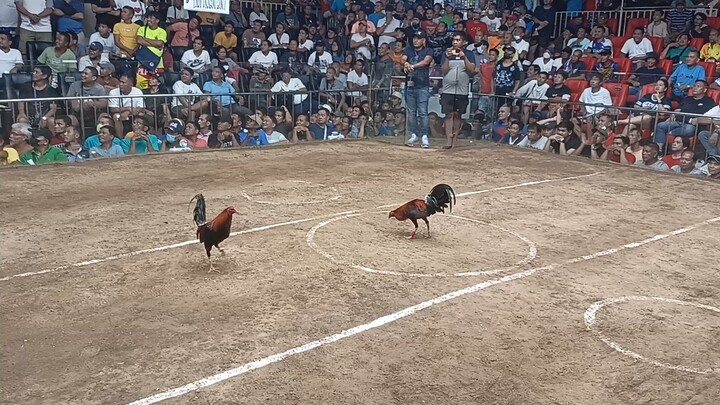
{"points": [[176, 126], [605, 51], [419, 34], [256, 118], [326, 107], [397, 94], [108, 66], [97, 46], [714, 158], [651, 55]]}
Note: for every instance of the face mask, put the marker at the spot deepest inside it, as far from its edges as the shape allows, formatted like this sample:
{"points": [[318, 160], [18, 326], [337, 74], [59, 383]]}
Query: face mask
{"points": [[517, 37], [546, 55], [170, 138]]}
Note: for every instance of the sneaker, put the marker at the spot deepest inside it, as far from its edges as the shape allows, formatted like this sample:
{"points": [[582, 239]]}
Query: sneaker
{"points": [[413, 139], [425, 141]]}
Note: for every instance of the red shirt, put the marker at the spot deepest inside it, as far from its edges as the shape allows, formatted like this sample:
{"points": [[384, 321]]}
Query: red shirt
{"points": [[616, 158], [57, 140], [429, 26], [671, 161], [474, 26]]}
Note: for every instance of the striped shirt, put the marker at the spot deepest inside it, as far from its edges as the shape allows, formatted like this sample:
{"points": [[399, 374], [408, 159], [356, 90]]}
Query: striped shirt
{"points": [[679, 21]]}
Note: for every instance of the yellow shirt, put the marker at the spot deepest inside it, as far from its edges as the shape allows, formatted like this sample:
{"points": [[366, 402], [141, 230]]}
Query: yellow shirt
{"points": [[710, 51], [208, 18], [127, 34], [222, 40], [12, 156]]}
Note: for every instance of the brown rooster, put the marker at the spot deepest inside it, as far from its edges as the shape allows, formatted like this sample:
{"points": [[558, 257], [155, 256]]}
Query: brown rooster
{"points": [[440, 197], [213, 232]]}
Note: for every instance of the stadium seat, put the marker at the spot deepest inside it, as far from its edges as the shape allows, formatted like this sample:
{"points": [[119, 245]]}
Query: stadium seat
{"points": [[34, 49], [713, 22], [710, 68], [714, 94], [617, 44], [66, 79], [169, 79], [590, 5], [625, 66], [647, 89], [619, 93], [247, 53], [589, 62], [658, 44], [202, 78], [577, 86], [670, 138], [178, 51], [14, 81], [666, 65], [633, 23], [613, 24], [697, 43]]}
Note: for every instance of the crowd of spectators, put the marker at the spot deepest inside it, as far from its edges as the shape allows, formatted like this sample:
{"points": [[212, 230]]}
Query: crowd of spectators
{"points": [[158, 78]]}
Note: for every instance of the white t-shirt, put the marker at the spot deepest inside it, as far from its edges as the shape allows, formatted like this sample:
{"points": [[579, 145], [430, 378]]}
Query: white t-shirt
{"points": [[36, 7], [492, 24], [8, 14], [520, 46], [361, 80], [108, 43], [268, 61], [539, 144], [321, 61], [544, 67], [85, 62], [284, 39], [363, 50], [633, 49], [134, 99], [258, 16], [394, 24], [181, 88], [136, 5], [195, 62], [173, 12], [308, 44], [293, 85], [276, 137], [9, 60], [601, 97]]}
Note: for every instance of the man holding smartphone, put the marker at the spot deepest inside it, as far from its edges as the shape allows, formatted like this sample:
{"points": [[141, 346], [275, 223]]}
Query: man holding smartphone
{"points": [[457, 65]]}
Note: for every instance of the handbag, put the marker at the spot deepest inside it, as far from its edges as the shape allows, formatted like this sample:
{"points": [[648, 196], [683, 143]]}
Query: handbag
{"points": [[146, 57]]}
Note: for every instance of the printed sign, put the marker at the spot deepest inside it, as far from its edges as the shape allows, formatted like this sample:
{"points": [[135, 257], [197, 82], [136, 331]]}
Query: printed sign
{"points": [[210, 6]]}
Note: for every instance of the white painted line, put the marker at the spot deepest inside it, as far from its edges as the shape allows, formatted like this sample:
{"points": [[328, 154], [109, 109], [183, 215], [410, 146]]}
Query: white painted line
{"points": [[161, 248], [262, 228], [532, 252], [265, 361], [590, 318], [336, 197]]}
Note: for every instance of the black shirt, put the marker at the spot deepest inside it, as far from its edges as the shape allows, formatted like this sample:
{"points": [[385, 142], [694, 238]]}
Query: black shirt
{"points": [[553, 92], [571, 142], [694, 106], [649, 75]]}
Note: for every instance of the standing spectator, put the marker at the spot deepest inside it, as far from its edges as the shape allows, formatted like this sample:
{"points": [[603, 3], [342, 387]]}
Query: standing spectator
{"points": [[138, 8], [42, 152], [128, 100], [637, 47], [185, 32], [10, 59], [544, 19], [457, 65], [94, 57], [506, 79], [699, 103], [197, 58], [417, 59], [710, 52], [70, 17], [125, 33], [39, 113], [658, 27], [106, 13], [177, 13], [34, 21], [87, 87], [151, 37], [59, 57], [595, 98], [104, 37], [686, 75], [679, 18], [650, 158], [9, 19]]}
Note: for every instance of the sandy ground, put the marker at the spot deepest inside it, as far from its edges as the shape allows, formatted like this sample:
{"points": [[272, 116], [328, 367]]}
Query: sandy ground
{"points": [[125, 329]]}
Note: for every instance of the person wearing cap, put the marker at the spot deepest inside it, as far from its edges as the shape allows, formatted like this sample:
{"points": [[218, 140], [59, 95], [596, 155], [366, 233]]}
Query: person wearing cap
{"points": [[320, 60], [417, 59], [260, 82], [713, 167], [607, 67], [87, 86], [42, 152], [254, 135], [649, 73], [94, 57], [174, 130]]}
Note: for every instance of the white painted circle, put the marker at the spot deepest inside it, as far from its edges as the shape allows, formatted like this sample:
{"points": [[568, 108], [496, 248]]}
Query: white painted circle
{"points": [[337, 195], [590, 318], [532, 251]]}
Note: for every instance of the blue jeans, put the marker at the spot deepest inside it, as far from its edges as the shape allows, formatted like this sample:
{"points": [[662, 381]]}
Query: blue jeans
{"points": [[417, 110], [674, 128], [705, 140]]}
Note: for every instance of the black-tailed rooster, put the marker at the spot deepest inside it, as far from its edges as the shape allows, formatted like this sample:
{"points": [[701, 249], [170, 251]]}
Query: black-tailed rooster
{"points": [[213, 232], [441, 196]]}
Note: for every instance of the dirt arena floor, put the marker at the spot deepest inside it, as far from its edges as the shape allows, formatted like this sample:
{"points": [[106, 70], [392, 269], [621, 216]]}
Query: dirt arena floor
{"points": [[558, 281]]}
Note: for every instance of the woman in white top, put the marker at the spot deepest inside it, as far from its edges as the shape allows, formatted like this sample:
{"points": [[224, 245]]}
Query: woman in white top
{"points": [[188, 106]]}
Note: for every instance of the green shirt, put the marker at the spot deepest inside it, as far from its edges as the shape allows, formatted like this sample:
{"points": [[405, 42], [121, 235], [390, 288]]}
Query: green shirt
{"points": [[58, 65], [52, 155]]}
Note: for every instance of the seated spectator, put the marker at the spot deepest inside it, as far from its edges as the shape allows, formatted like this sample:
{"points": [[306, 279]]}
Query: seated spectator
{"points": [[288, 17], [72, 147], [125, 33], [565, 141], [535, 91], [699, 103], [713, 167], [209, 19], [596, 98], [617, 152], [42, 152], [227, 37], [362, 42], [687, 164], [204, 126], [20, 135], [254, 135], [513, 135], [699, 29], [301, 101], [87, 86], [599, 43], [268, 127], [499, 127], [686, 75], [650, 158], [10, 59], [221, 59], [358, 80], [280, 38], [177, 13], [129, 100], [607, 67], [709, 137], [678, 51], [650, 73], [156, 105], [320, 60], [580, 42], [62, 123], [293, 60], [224, 137], [93, 141], [658, 27], [236, 16], [575, 68], [534, 139], [330, 87], [137, 141], [710, 52], [187, 106], [258, 15], [39, 113], [191, 136], [545, 63], [678, 145], [8, 154], [104, 36], [305, 44], [185, 32], [301, 130], [637, 47], [197, 58], [59, 57], [322, 129], [106, 78], [556, 95], [94, 57], [654, 103], [264, 57], [221, 91], [253, 37], [591, 145]]}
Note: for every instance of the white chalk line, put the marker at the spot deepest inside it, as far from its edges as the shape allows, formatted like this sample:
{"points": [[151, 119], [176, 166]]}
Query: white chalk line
{"points": [[265, 361], [336, 197], [531, 255], [262, 228], [590, 318]]}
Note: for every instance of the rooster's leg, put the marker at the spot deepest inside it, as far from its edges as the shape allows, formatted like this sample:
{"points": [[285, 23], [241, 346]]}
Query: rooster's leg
{"points": [[222, 252], [428, 226], [412, 235], [212, 268]]}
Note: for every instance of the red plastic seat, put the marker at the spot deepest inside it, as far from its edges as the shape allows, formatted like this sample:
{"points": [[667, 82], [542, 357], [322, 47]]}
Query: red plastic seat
{"points": [[633, 23], [619, 93], [714, 94], [697, 43], [713, 22], [658, 44], [617, 44], [625, 65], [710, 68], [613, 24], [577, 85], [666, 65], [589, 62]]}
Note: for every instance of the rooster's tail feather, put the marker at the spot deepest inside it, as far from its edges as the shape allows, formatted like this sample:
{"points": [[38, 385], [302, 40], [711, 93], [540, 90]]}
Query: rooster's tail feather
{"points": [[441, 196], [199, 215]]}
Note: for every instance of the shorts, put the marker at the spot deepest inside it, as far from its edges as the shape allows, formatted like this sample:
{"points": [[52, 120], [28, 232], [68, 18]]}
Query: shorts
{"points": [[454, 103]]}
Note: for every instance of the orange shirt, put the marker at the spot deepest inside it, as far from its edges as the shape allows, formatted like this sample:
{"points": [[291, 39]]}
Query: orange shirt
{"points": [[221, 39]]}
